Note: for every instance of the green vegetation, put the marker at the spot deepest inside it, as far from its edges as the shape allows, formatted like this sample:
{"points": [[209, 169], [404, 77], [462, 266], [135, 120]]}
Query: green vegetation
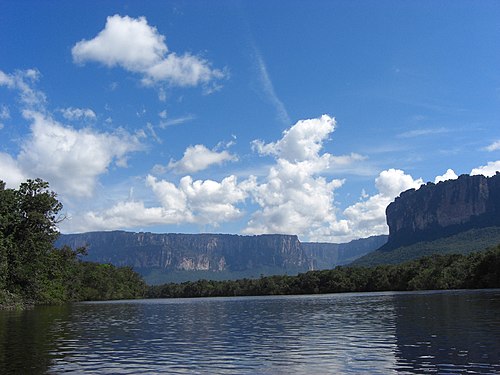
{"points": [[33, 271], [156, 276], [455, 271], [462, 243]]}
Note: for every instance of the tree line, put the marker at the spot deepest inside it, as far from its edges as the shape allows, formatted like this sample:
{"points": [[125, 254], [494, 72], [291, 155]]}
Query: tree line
{"points": [[33, 271], [455, 271]]}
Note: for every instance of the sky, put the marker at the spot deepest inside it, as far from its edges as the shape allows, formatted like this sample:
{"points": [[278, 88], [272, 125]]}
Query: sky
{"points": [[246, 117]]}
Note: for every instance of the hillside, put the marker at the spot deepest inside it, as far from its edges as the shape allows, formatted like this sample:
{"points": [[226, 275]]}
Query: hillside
{"points": [[463, 243]]}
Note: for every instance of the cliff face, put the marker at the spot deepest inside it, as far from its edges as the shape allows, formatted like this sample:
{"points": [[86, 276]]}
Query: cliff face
{"points": [[190, 252], [217, 254], [446, 208], [329, 255]]}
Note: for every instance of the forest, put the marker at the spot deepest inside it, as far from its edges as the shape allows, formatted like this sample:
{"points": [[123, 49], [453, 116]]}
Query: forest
{"points": [[33, 271], [455, 271]]}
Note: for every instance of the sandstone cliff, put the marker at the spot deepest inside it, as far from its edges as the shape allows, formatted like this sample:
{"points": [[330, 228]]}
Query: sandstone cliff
{"points": [[214, 255], [190, 252], [438, 210]]}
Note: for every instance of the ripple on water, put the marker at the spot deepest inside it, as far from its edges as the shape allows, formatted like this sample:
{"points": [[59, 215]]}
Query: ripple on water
{"points": [[378, 333]]}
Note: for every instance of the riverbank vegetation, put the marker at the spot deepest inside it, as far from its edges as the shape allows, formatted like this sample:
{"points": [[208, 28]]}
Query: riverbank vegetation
{"points": [[33, 271], [455, 271]]}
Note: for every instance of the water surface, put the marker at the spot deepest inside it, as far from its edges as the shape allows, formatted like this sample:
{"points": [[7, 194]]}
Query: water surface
{"points": [[453, 332]]}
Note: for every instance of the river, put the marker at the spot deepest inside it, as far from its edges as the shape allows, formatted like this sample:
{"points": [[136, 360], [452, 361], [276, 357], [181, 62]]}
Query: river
{"points": [[446, 332]]}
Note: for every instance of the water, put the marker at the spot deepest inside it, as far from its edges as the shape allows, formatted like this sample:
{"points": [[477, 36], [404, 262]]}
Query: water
{"points": [[453, 332]]}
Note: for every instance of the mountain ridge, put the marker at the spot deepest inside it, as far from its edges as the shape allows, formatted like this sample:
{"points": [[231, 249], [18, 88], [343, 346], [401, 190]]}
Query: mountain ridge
{"points": [[206, 255]]}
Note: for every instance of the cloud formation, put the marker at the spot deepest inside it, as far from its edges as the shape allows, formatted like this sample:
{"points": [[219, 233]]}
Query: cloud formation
{"points": [[197, 158], [202, 202], [72, 113], [134, 45], [72, 160], [367, 218], [493, 147], [23, 81], [449, 175], [293, 197], [488, 170]]}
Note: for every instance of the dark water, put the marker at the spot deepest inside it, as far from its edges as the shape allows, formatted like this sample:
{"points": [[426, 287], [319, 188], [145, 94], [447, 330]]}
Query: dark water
{"points": [[454, 332]]}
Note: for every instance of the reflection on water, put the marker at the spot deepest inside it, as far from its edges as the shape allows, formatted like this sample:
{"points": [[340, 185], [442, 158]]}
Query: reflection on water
{"points": [[377, 333]]}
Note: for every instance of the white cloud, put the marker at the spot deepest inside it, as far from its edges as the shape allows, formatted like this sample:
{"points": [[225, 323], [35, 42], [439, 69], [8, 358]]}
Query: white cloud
{"points": [[493, 147], [423, 132], [487, 170], [185, 70], [199, 157], [303, 141], [129, 214], [449, 175], [293, 197], [71, 159], [125, 41], [176, 121], [268, 88], [71, 113], [367, 218], [293, 200], [4, 112], [10, 172], [23, 81], [138, 47], [199, 202]]}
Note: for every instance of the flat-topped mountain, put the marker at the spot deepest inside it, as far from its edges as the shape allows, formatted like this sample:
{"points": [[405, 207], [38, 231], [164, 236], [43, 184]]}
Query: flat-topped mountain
{"points": [[438, 210], [455, 216], [177, 257]]}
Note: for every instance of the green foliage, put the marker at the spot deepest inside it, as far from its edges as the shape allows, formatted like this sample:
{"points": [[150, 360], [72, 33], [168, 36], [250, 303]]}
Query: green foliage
{"points": [[462, 243], [455, 271], [33, 271]]}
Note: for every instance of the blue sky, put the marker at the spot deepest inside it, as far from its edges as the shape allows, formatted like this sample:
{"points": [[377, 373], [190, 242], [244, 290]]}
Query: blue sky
{"points": [[246, 117]]}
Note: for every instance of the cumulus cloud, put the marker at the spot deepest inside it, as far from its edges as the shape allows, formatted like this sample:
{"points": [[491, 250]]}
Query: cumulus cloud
{"points": [[293, 200], [367, 218], [134, 45], [72, 113], [493, 147], [487, 170], [10, 172], [303, 141], [203, 202], [71, 159], [199, 157], [294, 197], [449, 175]]}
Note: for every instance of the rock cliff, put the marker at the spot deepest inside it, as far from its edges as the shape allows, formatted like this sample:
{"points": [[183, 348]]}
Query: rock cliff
{"points": [[190, 252], [329, 255], [439, 210], [214, 255]]}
